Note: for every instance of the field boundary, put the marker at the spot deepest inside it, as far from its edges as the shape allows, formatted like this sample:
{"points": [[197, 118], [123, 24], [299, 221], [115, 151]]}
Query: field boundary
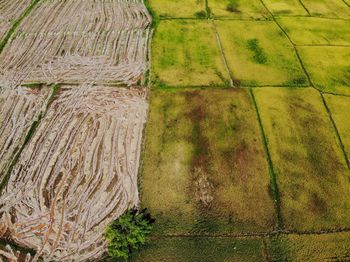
{"points": [[341, 144], [273, 179], [222, 53], [307, 10]]}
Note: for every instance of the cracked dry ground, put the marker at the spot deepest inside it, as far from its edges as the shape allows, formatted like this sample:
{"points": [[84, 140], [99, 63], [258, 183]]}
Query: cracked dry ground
{"points": [[70, 143]]}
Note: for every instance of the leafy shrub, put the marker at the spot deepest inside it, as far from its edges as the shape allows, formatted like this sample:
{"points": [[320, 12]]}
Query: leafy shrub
{"points": [[232, 6], [128, 233], [201, 14]]}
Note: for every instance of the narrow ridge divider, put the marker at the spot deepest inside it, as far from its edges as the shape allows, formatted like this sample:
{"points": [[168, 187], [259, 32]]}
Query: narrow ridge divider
{"points": [[273, 179], [335, 130]]}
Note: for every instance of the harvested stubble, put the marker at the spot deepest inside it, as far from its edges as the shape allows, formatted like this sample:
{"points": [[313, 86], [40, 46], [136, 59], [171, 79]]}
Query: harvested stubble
{"points": [[77, 174], [112, 35], [9, 11], [19, 108]]}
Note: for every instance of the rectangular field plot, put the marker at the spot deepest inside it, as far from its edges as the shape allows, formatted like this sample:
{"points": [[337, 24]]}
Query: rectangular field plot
{"points": [[101, 41], [77, 174], [314, 248], [204, 249], [328, 8], [332, 73], [312, 31], [285, 7], [312, 176], [243, 9], [9, 12], [340, 109], [204, 165], [258, 53], [179, 8], [19, 109], [185, 53], [84, 16]]}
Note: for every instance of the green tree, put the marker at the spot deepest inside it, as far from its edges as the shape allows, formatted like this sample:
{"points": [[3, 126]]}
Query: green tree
{"points": [[128, 233]]}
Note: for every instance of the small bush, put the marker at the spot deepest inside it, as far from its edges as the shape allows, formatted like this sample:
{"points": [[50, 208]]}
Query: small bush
{"points": [[232, 6], [201, 14], [128, 233]]}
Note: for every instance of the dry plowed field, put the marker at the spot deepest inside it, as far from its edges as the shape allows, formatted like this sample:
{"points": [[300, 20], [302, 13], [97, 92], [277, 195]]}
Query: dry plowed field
{"points": [[69, 141]]}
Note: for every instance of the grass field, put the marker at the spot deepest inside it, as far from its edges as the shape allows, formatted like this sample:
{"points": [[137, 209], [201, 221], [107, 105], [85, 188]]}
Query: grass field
{"points": [[185, 53], [286, 7], [245, 154], [198, 156], [312, 31], [202, 249], [307, 159], [330, 247], [258, 53], [332, 73], [327, 8], [243, 9], [339, 107], [178, 8]]}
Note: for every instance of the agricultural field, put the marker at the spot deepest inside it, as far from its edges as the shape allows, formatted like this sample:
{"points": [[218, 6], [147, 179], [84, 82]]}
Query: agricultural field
{"points": [[186, 54], [259, 160], [211, 136], [73, 106], [228, 120]]}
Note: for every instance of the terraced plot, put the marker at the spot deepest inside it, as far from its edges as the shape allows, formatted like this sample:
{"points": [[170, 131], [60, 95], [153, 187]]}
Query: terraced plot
{"points": [[286, 7], [78, 173], [312, 31], [185, 53], [339, 108], [259, 54], [202, 249], [332, 73], [329, 247], [205, 160], [65, 50], [312, 175], [179, 8], [243, 9]]}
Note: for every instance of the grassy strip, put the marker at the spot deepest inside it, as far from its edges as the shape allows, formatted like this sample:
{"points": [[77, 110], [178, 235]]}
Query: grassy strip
{"points": [[274, 187], [155, 17], [16, 24], [29, 135], [207, 9], [336, 131]]}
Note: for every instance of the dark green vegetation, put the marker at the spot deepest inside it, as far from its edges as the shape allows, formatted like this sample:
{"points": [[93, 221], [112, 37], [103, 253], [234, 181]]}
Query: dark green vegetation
{"points": [[257, 174], [232, 6], [259, 55], [128, 233]]}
